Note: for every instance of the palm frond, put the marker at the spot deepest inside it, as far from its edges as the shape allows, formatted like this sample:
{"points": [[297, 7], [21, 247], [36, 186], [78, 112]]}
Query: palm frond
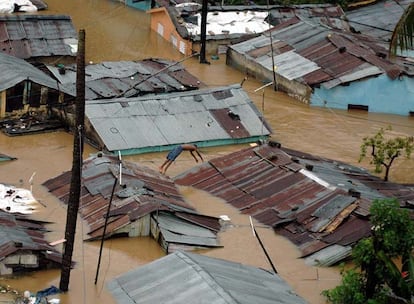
{"points": [[402, 36]]}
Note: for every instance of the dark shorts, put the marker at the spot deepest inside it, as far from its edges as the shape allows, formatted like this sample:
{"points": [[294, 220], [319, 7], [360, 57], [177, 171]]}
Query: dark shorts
{"points": [[173, 154]]}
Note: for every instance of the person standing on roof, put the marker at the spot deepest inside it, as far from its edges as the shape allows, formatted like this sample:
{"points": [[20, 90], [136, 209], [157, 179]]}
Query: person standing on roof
{"points": [[174, 153]]}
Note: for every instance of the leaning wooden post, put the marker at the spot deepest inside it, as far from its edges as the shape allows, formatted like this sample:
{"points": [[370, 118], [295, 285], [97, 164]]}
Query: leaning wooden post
{"points": [[75, 184]]}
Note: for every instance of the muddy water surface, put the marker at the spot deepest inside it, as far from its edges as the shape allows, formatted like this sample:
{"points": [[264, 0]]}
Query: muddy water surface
{"points": [[116, 32]]}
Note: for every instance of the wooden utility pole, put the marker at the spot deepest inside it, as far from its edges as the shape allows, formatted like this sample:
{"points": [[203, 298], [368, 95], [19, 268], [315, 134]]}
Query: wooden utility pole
{"points": [[203, 35], [75, 184]]}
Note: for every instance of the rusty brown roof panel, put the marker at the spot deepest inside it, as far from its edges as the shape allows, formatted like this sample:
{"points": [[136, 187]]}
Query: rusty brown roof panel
{"points": [[316, 77], [354, 230], [28, 36], [143, 191], [233, 127], [314, 209]]}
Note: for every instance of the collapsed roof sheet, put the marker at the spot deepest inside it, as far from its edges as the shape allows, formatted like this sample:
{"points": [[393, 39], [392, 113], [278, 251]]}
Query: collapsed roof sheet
{"points": [[16, 70]]}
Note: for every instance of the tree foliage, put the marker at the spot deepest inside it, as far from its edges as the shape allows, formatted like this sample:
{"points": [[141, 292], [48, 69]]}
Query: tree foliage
{"points": [[385, 149], [402, 36], [384, 262]]}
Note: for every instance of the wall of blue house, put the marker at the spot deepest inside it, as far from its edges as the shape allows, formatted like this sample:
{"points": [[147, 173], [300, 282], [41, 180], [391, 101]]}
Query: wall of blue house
{"points": [[381, 94], [141, 5]]}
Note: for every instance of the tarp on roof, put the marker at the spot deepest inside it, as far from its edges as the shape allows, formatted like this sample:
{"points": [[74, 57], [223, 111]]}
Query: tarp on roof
{"points": [[182, 276]]}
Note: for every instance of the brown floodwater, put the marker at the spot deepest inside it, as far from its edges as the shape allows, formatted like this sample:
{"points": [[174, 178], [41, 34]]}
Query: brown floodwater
{"points": [[116, 32]]}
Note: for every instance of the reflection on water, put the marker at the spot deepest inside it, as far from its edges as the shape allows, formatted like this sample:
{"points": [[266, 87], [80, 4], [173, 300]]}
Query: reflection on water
{"points": [[116, 32]]}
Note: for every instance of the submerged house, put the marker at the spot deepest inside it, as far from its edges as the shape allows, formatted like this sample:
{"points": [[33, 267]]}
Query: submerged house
{"points": [[180, 24], [156, 122], [320, 205], [23, 246], [39, 38], [24, 89], [182, 276], [144, 203], [326, 67]]}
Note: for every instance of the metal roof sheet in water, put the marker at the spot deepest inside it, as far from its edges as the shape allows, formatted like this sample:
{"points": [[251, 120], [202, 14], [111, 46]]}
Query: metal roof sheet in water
{"points": [[156, 122], [143, 191], [186, 276], [15, 70], [28, 36], [313, 201], [128, 78]]}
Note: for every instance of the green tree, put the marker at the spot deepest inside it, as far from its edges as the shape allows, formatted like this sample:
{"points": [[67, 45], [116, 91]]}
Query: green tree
{"points": [[402, 36], [385, 149], [384, 262]]}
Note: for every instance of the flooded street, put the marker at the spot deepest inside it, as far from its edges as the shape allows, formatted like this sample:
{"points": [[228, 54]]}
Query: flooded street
{"points": [[115, 32]]}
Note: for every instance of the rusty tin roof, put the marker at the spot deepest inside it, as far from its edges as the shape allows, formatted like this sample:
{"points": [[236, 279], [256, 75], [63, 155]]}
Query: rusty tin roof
{"points": [[29, 36], [316, 54], [19, 233], [112, 79], [314, 202], [143, 191]]}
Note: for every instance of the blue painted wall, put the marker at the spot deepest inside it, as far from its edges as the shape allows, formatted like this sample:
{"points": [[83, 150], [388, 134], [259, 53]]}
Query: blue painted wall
{"points": [[141, 5], [380, 94]]}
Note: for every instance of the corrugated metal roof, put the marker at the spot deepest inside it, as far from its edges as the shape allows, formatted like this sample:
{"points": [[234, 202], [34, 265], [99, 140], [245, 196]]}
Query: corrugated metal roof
{"points": [[15, 70], [183, 277], [209, 117], [224, 22], [27, 36], [316, 54], [20, 233], [133, 78], [378, 19], [313, 201], [143, 191]]}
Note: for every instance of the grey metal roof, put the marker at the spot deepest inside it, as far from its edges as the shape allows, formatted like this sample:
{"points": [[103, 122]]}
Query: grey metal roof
{"points": [[15, 70], [156, 122], [184, 277], [27, 36], [133, 78], [378, 19]]}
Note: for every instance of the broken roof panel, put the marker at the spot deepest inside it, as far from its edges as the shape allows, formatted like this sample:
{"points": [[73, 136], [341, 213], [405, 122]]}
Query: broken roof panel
{"points": [[29, 36], [186, 275], [143, 192], [16, 70], [128, 78], [302, 196], [156, 122]]}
